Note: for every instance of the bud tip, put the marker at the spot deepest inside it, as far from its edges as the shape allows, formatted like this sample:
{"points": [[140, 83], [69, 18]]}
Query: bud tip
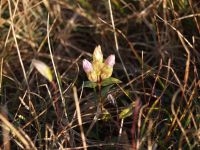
{"points": [[110, 61], [87, 66]]}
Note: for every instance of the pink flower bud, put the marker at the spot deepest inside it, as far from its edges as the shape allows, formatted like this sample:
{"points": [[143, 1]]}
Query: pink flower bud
{"points": [[97, 55], [110, 61], [87, 66]]}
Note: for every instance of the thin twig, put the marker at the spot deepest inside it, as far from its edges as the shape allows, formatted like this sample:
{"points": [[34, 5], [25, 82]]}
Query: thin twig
{"points": [[183, 41], [136, 112], [176, 117], [5, 131], [79, 117], [15, 39], [1, 74], [56, 74], [24, 138], [116, 41]]}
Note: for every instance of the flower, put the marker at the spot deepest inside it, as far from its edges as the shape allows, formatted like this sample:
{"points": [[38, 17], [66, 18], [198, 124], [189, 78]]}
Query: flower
{"points": [[87, 66], [99, 70], [110, 61], [97, 54], [106, 72], [43, 69], [92, 76], [108, 67]]}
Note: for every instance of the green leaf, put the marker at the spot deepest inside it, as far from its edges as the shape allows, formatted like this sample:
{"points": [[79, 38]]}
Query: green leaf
{"points": [[43, 69], [110, 81], [90, 84], [106, 82], [106, 115], [126, 112], [105, 90]]}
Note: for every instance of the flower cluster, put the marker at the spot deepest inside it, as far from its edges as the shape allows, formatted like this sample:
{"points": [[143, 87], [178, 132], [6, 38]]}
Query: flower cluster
{"points": [[99, 70]]}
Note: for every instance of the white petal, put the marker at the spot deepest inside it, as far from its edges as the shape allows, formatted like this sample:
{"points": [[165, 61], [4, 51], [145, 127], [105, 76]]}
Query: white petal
{"points": [[43, 69]]}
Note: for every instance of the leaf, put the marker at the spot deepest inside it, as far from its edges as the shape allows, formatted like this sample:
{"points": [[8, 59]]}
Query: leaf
{"points": [[43, 69], [126, 112], [105, 90], [110, 81], [106, 115], [90, 84], [105, 82]]}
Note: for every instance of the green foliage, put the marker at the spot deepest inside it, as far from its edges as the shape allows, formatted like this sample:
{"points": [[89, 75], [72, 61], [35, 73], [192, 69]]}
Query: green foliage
{"points": [[106, 82], [106, 115], [90, 84], [126, 112], [110, 81]]}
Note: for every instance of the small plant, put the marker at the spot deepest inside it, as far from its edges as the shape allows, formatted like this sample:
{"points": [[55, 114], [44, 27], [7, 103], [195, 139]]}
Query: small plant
{"points": [[99, 72]]}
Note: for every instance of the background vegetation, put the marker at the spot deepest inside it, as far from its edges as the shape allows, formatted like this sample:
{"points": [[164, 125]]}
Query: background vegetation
{"points": [[156, 44]]}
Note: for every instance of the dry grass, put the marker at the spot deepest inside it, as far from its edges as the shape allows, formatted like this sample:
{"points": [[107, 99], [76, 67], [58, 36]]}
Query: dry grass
{"points": [[156, 44]]}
